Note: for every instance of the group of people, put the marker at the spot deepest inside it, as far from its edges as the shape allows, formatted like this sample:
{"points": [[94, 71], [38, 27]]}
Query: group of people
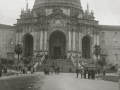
{"points": [[55, 57], [85, 72], [3, 69], [53, 68], [21, 69], [24, 70]]}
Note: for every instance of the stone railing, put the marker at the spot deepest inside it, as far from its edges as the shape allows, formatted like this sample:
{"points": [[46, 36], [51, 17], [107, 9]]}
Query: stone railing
{"points": [[39, 63], [76, 63], [73, 61], [35, 66]]}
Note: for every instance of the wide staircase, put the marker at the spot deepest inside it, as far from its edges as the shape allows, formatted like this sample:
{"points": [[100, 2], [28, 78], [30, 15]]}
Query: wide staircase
{"points": [[66, 63]]}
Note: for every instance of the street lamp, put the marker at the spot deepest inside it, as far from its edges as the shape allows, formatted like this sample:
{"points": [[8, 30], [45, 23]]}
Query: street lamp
{"points": [[18, 48]]}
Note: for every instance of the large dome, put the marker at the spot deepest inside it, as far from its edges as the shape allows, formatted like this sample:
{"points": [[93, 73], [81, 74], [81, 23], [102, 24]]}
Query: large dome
{"points": [[65, 3]]}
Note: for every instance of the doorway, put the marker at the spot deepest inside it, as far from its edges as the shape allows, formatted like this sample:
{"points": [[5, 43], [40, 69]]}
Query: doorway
{"points": [[57, 51], [86, 47]]}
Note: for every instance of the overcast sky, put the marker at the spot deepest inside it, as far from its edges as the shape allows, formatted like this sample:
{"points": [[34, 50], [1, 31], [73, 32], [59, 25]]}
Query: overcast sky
{"points": [[107, 12]]}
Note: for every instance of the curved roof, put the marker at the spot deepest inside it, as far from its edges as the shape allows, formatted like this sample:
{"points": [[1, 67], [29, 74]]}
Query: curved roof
{"points": [[71, 3]]}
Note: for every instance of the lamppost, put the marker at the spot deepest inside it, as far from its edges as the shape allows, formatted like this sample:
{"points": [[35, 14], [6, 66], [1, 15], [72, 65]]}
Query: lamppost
{"points": [[18, 48]]}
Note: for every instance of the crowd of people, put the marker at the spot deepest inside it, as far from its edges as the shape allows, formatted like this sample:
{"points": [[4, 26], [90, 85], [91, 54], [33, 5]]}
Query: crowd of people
{"points": [[90, 72], [20, 69], [3, 69], [23, 70], [53, 68], [86, 71]]}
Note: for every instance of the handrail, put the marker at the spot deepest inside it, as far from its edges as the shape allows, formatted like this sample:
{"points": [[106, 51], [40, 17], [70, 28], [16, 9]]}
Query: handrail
{"points": [[35, 66], [39, 63], [73, 61], [76, 64]]}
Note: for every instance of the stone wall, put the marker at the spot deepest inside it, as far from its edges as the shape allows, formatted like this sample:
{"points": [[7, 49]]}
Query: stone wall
{"points": [[110, 44], [7, 41]]}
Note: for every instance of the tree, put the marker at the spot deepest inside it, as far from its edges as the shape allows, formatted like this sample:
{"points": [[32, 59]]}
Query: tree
{"points": [[27, 60], [3, 61], [18, 50], [101, 62], [97, 51]]}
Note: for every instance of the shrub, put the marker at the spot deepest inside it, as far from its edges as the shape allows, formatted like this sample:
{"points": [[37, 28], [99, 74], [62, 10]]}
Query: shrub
{"points": [[112, 67], [10, 62]]}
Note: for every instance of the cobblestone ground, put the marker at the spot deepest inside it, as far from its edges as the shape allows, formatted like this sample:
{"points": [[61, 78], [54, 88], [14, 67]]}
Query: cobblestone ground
{"points": [[70, 82], [21, 82], [62, 81]]}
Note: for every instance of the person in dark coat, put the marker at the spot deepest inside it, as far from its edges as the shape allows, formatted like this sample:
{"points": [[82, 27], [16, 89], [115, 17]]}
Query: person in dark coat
{"points": [[98, 71], [89, 72], [77, 72], [92, 73], [104, 71], [0, 69], [82, 72], [85, 72], [45, 71], [5, 69], [58, 69]]}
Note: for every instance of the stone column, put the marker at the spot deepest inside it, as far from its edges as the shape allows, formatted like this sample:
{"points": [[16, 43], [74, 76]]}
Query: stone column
{"points": [[41, 40], [80, 41], [94, 43], [77, 40], [70, 40], [16, 38], [20, 37], [35, 40], [45, 40], [74, 45], [97, 39]]}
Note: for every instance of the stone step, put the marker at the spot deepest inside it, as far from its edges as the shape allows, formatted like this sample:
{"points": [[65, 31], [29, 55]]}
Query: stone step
{"points": [[66, 63]]}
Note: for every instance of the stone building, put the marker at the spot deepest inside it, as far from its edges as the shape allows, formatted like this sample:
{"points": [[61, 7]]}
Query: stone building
{"points": [[58, 27], [7, 41], [62, 28]]}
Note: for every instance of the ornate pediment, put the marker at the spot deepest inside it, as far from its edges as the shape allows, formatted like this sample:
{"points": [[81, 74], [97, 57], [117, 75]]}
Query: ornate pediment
{"points": [[28, 29], [57, 12], [57, 9], [58, 21]]}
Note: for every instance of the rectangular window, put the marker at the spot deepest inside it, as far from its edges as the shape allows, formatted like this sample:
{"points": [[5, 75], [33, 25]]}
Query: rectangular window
{"points": [[116, 43], [115, 33], [11, 31], [11, 41], [103, 43], [116, 56], [103, 34]]}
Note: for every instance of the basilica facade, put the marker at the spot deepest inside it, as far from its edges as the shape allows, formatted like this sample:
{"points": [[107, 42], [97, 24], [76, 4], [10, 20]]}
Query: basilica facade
{"points": [[59, 28], [62, 28]]}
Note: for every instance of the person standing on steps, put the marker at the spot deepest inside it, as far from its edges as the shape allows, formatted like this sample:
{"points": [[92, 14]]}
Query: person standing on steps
{"points": [[89, 73], [77, 72], [0, 69], [118, 78], [85, 72]]}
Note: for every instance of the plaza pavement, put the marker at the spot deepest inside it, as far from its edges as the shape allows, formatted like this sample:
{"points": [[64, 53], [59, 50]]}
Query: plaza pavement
{"points": [[68, 81]]}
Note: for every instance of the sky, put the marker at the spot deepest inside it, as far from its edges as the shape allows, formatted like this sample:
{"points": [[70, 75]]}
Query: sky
{"points": [[107, 12]]}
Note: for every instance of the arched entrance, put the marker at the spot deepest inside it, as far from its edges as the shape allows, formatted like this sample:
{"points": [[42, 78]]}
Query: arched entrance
{"points": [[86, 47], [57, 45], [28, 45]]}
